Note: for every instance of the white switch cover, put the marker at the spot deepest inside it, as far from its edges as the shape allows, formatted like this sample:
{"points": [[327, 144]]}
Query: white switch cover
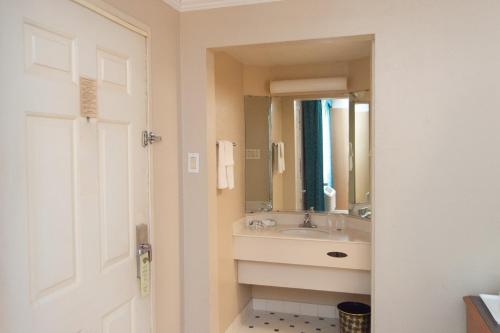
{"points": [[193, 162], [252, 154]]}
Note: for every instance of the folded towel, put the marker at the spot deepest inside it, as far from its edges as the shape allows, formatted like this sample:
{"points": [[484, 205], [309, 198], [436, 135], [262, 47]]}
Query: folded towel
{"points": [[225, 165], [279, 157]]}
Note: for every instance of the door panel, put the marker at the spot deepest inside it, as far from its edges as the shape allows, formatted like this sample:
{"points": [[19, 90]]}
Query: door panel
{"points": [[48, 52], [118, 320], [113, 70], [75, 188], [51, 164], [114, 182]]}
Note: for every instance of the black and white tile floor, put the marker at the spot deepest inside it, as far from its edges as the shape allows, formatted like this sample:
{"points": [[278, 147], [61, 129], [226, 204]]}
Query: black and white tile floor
{"points": [[257, 321]]}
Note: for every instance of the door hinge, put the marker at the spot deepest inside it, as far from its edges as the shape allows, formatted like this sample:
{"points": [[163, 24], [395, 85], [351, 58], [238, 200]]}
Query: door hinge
{"points": [[149, 137]]}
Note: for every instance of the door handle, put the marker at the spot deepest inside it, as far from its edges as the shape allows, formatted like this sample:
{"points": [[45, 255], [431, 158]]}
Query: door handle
{"points": [[142, 245], [336, 254], [145, 248]]}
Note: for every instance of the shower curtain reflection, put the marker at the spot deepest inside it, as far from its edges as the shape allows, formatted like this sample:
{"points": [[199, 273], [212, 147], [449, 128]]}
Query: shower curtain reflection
{"points": [[312, 138]]}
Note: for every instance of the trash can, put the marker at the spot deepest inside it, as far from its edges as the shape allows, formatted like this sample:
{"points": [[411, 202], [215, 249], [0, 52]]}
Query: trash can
{"points": [[354, 317]]}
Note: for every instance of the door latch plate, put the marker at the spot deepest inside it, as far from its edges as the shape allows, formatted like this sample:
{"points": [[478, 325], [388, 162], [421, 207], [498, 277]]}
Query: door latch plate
{"points": [[148, 137]]}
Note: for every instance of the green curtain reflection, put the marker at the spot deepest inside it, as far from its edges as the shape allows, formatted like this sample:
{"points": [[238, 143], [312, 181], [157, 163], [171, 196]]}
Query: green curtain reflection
{"points": [[313, 155]]}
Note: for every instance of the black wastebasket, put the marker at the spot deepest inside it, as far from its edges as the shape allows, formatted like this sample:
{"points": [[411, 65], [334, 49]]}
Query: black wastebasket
{"points": [[354, 317]]}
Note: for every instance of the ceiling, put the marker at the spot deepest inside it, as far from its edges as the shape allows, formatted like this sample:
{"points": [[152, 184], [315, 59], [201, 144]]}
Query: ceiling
{"points": [[188, 5], [302, 52]]}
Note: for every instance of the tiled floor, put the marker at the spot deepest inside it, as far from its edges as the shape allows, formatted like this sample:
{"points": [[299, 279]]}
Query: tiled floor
{"points": [[264, 321]]}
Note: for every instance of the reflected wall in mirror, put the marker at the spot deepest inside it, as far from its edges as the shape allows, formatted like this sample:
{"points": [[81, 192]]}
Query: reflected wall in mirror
{"points": [[258, 188], [359, 138], [318, 153]]}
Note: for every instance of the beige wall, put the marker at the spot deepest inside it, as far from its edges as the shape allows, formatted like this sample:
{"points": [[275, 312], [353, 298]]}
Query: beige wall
{"points": [[424, 261], [360, 74], [277, 136], [198, 284], [288, 135], [232, 297], [340, 155], [256, 80], [257, 137], [164, 24], [361, 155], [283, 130]]}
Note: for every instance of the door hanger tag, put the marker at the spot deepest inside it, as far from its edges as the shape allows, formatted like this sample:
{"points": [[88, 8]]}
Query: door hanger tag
{"points": [[145, 274]]}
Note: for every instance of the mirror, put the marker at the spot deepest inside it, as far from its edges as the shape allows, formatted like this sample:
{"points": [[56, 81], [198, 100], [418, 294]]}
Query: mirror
{"points": [[304, 152], [258, 187]]}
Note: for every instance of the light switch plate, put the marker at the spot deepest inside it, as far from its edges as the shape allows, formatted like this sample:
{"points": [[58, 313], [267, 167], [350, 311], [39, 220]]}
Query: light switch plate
{"points": [[252, 154], [193, 162]]}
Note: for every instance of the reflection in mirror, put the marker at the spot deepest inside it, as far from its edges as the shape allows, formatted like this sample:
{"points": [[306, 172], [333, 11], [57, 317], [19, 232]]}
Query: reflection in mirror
{"points": [[257, 153], [359, 175], [314, 133], [318, 153]]}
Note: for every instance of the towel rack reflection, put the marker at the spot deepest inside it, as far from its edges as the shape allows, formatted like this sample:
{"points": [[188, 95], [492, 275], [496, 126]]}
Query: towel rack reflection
{"points": [[234, 144]]}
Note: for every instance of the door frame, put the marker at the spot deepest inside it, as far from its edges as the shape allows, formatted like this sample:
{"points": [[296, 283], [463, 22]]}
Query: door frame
{"points": [[117, 16]]}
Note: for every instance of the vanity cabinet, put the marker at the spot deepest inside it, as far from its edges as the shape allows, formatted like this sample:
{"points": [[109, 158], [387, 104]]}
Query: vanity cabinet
{"points": [[323, 261], [346, 255], [479, 320]]}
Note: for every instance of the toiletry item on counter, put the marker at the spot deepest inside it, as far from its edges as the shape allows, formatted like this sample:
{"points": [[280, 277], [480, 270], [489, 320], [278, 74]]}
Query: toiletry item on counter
{"points": [[269, 222], [340, 222], [260, 224], [329, 222], [330, 198]]}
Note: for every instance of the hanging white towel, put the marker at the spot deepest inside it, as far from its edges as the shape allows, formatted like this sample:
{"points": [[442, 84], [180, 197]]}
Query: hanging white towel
{"points": [[228, 150], [221, 166], [225, 165], [279, 157]]}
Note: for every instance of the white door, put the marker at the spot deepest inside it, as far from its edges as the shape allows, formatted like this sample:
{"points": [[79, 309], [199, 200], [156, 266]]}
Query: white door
{"points": [[72, 189]]}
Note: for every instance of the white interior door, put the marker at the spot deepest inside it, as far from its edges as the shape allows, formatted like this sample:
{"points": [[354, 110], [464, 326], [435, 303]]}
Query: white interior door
{"points": [[72, 189]]}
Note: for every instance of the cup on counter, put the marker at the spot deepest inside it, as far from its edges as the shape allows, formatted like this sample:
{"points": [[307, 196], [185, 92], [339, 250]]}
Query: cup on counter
{"points": [[340, 222]]}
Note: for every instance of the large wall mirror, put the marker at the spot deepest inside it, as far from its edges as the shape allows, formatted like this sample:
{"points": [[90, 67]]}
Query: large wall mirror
{"points": [[308, 152]]}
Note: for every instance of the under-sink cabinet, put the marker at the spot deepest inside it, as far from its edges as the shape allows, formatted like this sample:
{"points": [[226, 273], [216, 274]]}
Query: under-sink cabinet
{"points": [[338, 261]]}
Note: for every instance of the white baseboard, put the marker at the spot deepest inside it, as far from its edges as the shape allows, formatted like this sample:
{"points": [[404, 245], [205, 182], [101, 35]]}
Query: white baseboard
{"points": [[237, 322], [305, 309]]}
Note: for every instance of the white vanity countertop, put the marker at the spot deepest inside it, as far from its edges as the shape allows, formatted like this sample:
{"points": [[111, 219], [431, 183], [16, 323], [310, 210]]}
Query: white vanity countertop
{"points": [[347, 235], [320, 219]]}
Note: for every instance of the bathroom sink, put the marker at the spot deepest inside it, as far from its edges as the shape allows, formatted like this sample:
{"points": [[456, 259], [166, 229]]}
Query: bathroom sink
{"points": [[305, 232]]}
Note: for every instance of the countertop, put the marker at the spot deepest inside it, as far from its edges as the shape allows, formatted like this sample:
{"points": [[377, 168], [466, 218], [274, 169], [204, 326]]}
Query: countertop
{"points": [[346, 235]]}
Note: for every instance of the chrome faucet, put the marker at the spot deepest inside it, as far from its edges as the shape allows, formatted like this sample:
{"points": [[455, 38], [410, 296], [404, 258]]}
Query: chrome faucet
{"points": [[365, 212], [308, 219]]}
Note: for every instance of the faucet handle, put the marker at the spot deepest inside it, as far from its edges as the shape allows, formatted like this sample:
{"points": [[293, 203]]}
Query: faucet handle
{"points": [[311, 209]]}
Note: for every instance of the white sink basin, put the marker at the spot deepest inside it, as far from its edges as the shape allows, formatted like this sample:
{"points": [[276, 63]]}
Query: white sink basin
{"points": [[305, 232]]}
